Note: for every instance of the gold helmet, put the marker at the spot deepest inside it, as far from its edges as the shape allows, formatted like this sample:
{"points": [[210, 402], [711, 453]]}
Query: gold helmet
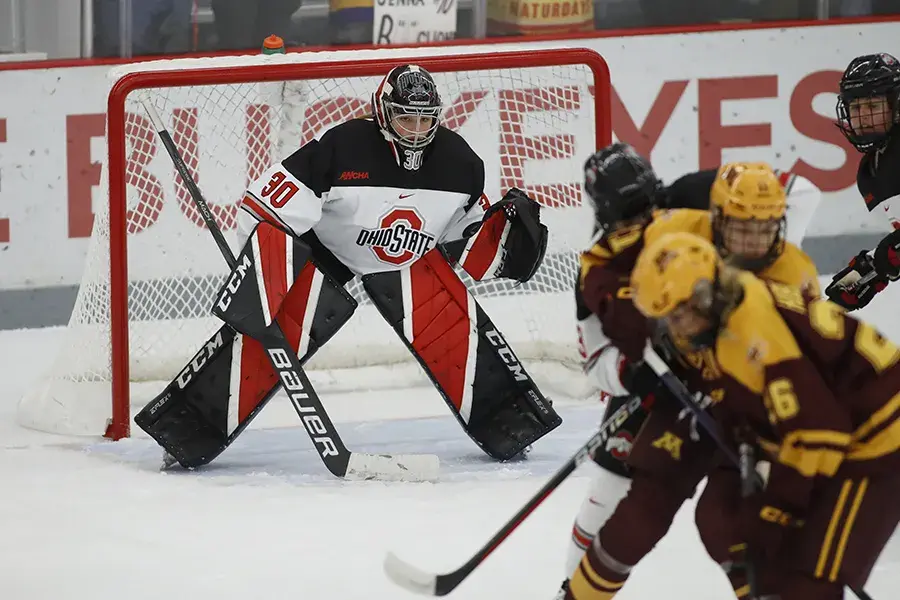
{"points": [[749, 204], [669, 271]]}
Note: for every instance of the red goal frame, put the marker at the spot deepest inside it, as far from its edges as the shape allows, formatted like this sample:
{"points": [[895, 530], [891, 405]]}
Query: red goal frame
{"points": [[120, 426]]}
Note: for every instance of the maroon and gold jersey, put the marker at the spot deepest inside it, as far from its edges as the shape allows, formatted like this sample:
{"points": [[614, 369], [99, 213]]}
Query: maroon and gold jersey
{"points": [[604, 282], [821, 389]]}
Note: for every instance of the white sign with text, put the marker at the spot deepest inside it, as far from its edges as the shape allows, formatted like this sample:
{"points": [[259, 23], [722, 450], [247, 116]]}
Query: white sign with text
{"points": [[414, 21]]}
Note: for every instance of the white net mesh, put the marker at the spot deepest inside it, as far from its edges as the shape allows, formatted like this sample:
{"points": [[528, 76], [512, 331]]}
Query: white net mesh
{"points": [[531, 126]]}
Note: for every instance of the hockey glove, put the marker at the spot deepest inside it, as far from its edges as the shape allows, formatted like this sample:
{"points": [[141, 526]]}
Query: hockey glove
{"points": [[526, 241], [764, 526], [887, 256], [641, 381], [854, 286]]}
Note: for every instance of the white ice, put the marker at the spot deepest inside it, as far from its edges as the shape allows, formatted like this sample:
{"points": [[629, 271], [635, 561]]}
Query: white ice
{"points": [[81, 518]]}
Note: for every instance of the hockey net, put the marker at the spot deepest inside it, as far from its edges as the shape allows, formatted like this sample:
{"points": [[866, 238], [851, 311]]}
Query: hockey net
{"points": [[152, 268]]}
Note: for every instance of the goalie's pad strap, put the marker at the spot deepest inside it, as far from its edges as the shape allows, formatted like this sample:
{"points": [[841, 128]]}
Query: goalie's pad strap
{"points": [[465, 356]]}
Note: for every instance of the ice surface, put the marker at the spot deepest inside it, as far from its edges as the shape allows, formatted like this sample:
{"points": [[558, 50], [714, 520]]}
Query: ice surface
{"points": [[86, 519]]}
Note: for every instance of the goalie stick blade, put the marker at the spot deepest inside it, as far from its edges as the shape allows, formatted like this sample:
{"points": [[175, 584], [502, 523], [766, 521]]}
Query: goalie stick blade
{"points": [[409, 577], [396, 467]]}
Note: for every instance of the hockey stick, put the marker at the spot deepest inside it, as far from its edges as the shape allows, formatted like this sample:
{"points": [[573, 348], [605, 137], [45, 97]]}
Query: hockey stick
{"points": [[418, 581], [285, 362], [748, 489], [681, 392]]}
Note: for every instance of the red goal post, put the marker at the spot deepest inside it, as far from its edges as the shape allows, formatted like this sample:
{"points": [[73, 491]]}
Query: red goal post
{"points": [[534, 117]]}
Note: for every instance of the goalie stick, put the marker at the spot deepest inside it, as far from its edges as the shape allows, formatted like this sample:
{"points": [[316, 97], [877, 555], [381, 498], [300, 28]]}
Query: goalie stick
{"points": [[678, 389], [418, 581], [337, 459]]}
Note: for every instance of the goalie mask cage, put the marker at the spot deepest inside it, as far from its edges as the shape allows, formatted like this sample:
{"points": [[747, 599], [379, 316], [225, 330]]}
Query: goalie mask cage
{"points": [[152, 269]]}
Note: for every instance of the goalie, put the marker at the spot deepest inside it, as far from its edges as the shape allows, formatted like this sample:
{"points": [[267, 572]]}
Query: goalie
{"points": [[394, 198]]}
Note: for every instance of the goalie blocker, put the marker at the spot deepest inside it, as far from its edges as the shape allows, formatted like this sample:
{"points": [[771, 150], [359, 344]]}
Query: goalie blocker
{"points": [[299, 284]]}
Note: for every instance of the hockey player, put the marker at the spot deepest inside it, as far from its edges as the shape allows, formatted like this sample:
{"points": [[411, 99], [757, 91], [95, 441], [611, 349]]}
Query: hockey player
{"points": [[393, 199], [819, 394], [747, 223], [868, 109]]}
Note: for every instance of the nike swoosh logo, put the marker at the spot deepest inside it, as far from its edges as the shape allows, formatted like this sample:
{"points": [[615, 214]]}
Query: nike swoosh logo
{"points": [[402, 196]]}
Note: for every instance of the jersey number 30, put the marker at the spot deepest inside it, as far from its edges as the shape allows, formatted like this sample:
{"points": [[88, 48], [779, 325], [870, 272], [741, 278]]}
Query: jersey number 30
{"points": [[279, 190]]}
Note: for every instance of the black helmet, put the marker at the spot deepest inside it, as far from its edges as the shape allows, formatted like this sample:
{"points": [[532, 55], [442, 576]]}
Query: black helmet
{"points": [[621, 185], [868, 76], [407, 90]]}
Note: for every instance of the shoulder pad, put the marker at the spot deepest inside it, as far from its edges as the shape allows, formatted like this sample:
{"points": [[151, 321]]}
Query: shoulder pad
{"points": [[755, 336], [795, 268]]}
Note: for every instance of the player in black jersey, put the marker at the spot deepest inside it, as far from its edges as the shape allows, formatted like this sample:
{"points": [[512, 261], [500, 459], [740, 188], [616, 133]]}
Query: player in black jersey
{"points": [[868, 109]]}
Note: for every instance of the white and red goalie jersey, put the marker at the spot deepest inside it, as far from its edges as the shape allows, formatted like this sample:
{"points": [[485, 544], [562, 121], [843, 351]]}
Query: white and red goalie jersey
{"points": [[374, 214], [398, 226]]}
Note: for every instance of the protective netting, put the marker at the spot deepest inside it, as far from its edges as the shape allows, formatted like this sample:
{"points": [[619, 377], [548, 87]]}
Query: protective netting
{"points": [[531, 126]]}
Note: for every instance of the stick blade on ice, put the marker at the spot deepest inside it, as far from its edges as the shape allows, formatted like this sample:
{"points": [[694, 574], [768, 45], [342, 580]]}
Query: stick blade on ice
{"points": [[393, 467], [409, 577]]}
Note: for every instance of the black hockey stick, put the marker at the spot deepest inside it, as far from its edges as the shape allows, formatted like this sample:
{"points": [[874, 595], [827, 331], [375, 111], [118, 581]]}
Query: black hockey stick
{"points": [[748, 489], [285, 362], [678, 389], [416, 580]]}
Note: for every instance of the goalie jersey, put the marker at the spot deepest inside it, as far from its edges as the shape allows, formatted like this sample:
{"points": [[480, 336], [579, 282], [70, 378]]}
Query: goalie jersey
{"points": [[373, 214]]}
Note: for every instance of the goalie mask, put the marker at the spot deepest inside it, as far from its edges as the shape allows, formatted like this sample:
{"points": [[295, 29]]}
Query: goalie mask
{"points": [[749, 206], [867, 104], [407, 107], [621, 186]]}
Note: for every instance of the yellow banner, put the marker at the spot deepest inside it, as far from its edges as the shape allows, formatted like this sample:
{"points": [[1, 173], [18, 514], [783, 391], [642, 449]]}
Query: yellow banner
{"points": [[339, 5], [539, 16]]}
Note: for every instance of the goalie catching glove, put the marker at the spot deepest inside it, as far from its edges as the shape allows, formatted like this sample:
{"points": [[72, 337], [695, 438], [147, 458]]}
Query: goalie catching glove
{"points": [[523, 237]]}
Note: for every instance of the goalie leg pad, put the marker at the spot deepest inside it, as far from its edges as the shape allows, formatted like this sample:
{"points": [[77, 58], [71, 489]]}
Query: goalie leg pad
{"points": [[465, 356], [231, 378], [259, 282]]}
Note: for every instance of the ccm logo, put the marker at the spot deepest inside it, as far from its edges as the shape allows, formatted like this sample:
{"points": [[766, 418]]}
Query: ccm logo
{"points": [[293, 387], [193, 367], [234, 283], [506, 354]]}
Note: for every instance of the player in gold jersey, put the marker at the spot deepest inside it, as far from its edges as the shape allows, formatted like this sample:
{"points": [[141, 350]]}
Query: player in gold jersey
{"points": [[817, 391], [746, 219]]}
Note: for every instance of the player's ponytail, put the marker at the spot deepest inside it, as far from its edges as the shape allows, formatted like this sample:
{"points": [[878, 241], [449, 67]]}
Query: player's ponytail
{"points": [[729, 291]]}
